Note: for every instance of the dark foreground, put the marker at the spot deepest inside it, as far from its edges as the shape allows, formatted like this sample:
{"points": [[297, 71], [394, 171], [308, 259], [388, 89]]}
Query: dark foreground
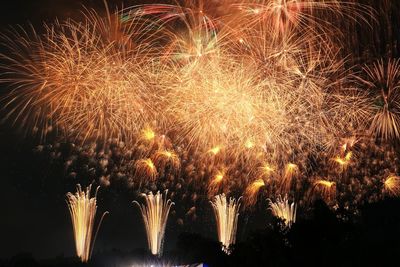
{"points": [[327, 238]]}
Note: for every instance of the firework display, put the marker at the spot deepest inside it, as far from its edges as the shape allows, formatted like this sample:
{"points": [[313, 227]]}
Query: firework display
{"points": [[82, 208], [155, 215], [209, 99], [284, 210], [383, 80], [226, 213]]}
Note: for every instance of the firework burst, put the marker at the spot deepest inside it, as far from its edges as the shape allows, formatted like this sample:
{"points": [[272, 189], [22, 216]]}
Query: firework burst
{"points": [[145, 168], [80, 78], [251, 193], [167, 158], [382, 79], [326, 189], [204, 93], [291, 171], [392, 185]]}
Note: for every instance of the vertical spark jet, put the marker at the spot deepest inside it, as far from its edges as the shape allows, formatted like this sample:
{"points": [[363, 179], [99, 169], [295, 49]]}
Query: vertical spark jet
{"points": [[83, 209], [226, 215], [284, 210], [155, 212]]}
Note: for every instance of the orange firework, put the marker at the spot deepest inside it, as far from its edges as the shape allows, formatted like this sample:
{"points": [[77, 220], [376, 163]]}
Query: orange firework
{"points": [[343, 161], [148, 134], [145, 168], [87, 79], [243, 80], [167, 157], [382, 80], [215, 150], [218, 178], [266, 170], [327, 189], [392, 185], [205, 85], [291, 171], [346, 155], [216, 182], [250, 195]]}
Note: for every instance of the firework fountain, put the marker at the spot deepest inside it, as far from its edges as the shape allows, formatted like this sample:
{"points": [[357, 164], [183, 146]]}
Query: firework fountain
{"points": [[82, 208], [155, 215], [226, 213], [282, 209]]}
